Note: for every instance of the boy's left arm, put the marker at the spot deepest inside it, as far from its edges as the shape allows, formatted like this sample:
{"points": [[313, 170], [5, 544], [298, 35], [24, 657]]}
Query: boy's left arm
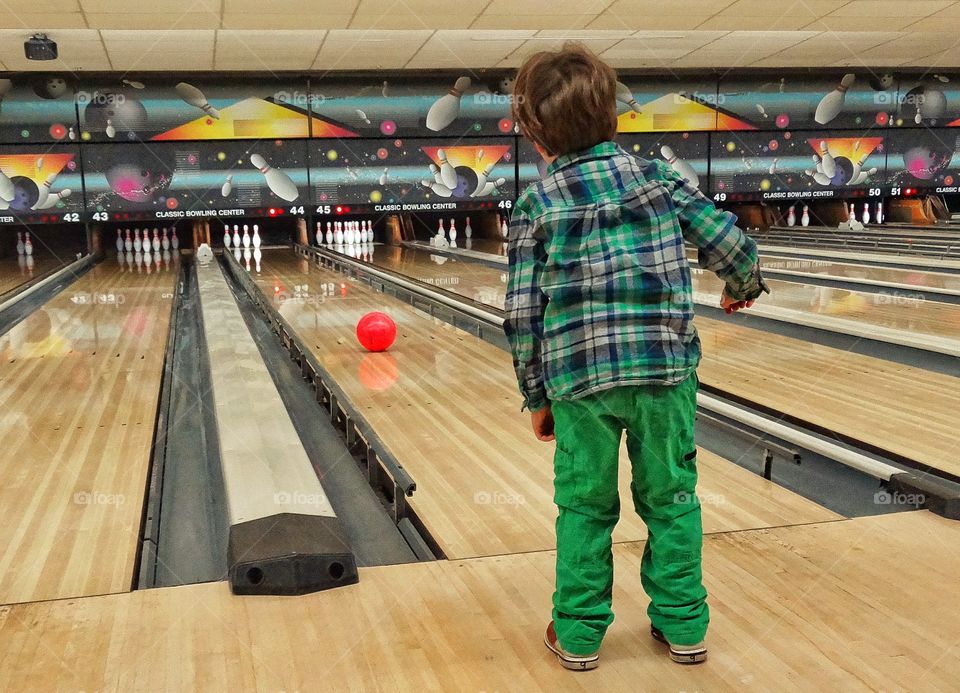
{"points": [[525, 306]]}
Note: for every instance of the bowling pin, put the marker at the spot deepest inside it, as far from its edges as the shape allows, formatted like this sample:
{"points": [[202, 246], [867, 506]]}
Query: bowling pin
{"points": [[853, 213], [504, 229], [467, 231], [227, 186], [453, 230], [174, 241], [482, 180], [439, 188], [822, 178], [128, 244], [879, 216], [866, 212], [55, 198], [27, 244], [831, 104], [165, 241], [7, 189], [339, 234], [363, 232], [441, 232], [348, 234], [826, 158], [236, 253], [246, 237], [329, 237], [446, 109], [625, 96], [137, 243], [256, 236], [119, 242], [805, 217], [246, 256], [489, 187], [448, 174], [147, 259], [110, 131], [195, 97], [44, 191], [791, 217], [382, 180], [20, 245], [681, 167], [236, 236], [226, 236], [278, 181], [71, 134], [436, 174], [319, 233]]}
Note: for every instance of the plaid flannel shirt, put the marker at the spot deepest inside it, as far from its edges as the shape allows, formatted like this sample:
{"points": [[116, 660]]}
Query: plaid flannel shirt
{"points": [[600, 293]]}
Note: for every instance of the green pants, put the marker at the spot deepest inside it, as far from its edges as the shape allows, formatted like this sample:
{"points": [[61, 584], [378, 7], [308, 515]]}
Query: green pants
{"points": [[659, 421]]}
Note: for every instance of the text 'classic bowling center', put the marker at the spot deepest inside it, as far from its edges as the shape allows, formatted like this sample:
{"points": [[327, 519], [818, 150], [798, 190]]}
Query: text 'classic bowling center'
{"points": [[480, 345]]}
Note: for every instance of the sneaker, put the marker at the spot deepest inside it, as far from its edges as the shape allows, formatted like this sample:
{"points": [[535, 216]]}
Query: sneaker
{"points": [[682, 654], [567, 659]]}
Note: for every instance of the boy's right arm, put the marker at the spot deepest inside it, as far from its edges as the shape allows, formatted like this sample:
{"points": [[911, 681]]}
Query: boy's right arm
{"points": [[722, 247]]}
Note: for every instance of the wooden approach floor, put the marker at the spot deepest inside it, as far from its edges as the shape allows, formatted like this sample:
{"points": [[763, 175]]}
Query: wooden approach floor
{"points": [[79, 383], [476, 498], [865, 398], [850, 605]]}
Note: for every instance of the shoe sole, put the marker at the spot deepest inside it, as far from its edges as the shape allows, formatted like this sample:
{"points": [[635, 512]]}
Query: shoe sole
{"points": [[681, 657], [572, 664]]}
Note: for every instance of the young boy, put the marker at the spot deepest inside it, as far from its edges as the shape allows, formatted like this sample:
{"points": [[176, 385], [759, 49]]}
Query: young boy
{"points": [[599, 318]]}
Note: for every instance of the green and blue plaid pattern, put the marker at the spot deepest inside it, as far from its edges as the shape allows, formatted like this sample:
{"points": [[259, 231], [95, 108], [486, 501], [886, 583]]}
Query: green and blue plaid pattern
{"points": [[599, 293]]}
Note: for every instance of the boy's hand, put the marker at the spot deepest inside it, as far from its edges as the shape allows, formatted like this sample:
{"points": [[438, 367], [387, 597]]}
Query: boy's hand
{"points": [[731, 305], [542, 420]]}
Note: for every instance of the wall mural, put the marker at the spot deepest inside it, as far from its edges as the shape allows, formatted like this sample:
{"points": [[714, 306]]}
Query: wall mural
{"points": [[375, 140]]}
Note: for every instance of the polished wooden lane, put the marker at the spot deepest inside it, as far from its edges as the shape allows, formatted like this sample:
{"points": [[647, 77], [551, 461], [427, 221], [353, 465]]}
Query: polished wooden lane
{"points": [[15, 271], [864, 398], [853, 605], [79, 384], [446, 405]]}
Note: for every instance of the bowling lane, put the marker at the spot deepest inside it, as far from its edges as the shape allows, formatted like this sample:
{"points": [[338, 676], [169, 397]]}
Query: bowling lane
{"points": [[446, 406], [79, 383], [909, 280], [865, 398], [17, 270]]}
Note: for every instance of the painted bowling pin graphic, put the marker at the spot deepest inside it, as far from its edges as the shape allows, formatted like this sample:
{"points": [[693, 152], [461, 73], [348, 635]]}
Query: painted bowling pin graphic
{"points": [[625, 96], [805, 217], [54, 198], [792, 216], [446, 109], [278, 181], [44, 191], [227, 187], [193, 96], [827, 160], [831, 104], [7, 189], [448, 174], [438, 188], [681, 167]]}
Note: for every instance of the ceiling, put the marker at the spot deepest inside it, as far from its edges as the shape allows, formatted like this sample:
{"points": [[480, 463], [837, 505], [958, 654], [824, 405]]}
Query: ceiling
{"points": [[263, 35]]}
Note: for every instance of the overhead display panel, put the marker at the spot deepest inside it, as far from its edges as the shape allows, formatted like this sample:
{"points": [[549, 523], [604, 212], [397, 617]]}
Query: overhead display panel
{"points": [[155, 107], [415, 174], [177, 180], [40, 184], [857, 100], [798, 165], [37, 108], [466, 105], [923, 160], [686, 152]]}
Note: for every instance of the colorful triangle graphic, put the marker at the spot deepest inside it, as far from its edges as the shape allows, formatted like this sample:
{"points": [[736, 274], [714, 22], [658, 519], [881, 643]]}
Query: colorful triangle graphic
{"points": [[676, 112]]}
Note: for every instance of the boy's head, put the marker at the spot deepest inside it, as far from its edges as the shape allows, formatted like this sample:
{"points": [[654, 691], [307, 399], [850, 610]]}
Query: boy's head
{"points": [[565, 100]]}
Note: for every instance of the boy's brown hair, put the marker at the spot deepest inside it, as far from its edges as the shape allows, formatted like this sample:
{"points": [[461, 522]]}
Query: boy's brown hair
{"points": [[565, 100]]}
